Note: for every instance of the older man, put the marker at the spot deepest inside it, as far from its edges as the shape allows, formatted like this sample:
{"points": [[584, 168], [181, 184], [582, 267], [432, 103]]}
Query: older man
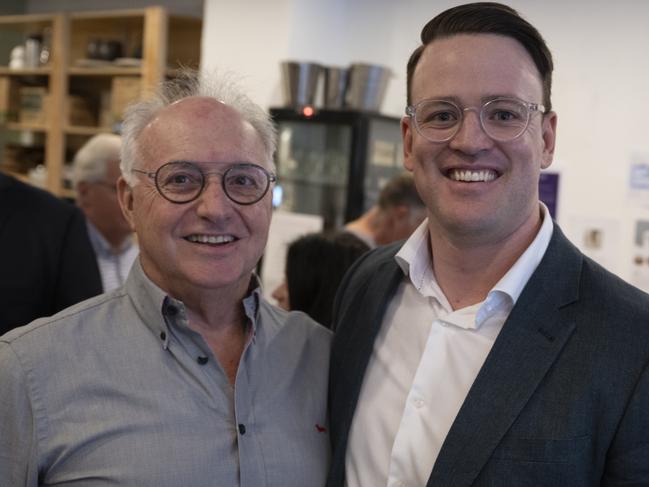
{"points": [[96, 170], [186, 375], [486, 350]]}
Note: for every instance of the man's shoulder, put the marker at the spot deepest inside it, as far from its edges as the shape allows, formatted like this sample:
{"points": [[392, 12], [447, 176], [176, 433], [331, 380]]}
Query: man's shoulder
{"points": [[33, 200], [294, 324], [608, 290], [62, 326], [375, 258]]}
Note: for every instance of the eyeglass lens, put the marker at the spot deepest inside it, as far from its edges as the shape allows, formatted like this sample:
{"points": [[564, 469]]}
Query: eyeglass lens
{"points": [[182, 182], [501, 119]]}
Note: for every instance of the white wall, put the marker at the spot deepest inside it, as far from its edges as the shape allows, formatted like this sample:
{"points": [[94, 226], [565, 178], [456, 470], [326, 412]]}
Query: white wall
{"points": [[601, 82]]}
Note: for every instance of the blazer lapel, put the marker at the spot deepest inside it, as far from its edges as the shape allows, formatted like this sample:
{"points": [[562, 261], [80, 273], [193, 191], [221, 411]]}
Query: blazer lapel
{"points": [[367, 325], [354, 347], [531, 339]]}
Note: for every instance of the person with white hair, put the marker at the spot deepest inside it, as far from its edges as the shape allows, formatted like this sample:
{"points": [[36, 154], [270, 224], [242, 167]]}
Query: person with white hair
{"points": [[186, 375], [96, 170]]}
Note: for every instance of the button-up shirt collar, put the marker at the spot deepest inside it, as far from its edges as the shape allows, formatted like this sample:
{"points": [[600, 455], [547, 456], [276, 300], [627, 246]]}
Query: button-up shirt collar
{"points": [[415, 261], [161, 312]]}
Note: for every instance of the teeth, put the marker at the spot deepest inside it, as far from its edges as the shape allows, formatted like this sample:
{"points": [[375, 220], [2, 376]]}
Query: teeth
{"points": [[211, 239], [484, 175]]}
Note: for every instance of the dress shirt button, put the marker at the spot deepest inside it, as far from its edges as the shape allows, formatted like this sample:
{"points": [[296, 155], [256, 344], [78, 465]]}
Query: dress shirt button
{"points": [[163, 335], [242, 429], [202, 360], [419, 403]]}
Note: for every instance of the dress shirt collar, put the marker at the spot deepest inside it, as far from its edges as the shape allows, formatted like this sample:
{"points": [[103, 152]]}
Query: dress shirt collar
{"points": [[414, 259], [101, 245], [514, 281], [157, 309]]}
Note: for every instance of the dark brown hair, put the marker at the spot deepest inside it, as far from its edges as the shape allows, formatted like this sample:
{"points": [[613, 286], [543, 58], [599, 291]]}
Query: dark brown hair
{"points": [[487, 18], [315, 265], [400, 191]]}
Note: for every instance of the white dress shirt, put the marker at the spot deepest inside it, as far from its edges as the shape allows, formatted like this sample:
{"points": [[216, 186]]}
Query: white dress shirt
{"points": [[113, 266], [425, 359]]}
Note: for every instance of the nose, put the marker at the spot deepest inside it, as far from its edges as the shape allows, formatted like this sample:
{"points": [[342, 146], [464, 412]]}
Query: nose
{"points": [[213, 203], [470, 137]]}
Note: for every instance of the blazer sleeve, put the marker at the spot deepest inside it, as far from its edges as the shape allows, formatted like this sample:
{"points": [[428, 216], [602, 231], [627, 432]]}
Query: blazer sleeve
{"points": [[628, 457]]}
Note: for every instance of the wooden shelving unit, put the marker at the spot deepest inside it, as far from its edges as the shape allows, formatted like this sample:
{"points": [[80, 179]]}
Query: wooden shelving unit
{"points": [[162, 43]]}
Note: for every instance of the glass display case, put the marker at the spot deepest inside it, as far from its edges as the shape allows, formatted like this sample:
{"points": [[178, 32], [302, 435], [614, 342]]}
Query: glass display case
{"points": [[333, 163]]}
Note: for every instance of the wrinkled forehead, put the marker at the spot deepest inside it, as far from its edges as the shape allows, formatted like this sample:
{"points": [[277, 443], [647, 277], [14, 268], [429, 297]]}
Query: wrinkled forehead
{"points": [[200, 129]]}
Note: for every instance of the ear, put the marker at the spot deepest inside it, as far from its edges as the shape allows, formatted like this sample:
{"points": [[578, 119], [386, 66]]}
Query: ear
{"points": [[406, 136], [549, 138], [82, 193], [401, 213], [125, 198]]}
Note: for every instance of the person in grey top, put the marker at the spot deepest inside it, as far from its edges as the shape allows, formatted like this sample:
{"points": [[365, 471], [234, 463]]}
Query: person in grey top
{"points": [[185, 375]]}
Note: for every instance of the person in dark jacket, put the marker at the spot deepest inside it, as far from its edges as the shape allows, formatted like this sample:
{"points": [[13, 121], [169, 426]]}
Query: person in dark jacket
{"points": [[46, 260]]}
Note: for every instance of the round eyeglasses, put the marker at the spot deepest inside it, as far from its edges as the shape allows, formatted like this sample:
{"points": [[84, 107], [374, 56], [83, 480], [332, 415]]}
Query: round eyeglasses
{"points": [[182, 182], [502, 119]]}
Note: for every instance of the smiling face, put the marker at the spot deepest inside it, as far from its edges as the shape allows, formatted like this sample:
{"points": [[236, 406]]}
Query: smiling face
{"points": [[210, 243], [477, 189]]}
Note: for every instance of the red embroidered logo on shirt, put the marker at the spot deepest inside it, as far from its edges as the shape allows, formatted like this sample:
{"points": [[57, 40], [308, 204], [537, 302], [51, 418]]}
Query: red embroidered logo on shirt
{"points": [[320, 429]]}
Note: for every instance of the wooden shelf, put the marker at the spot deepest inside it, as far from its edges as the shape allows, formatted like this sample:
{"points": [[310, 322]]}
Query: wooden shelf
{"points": [[107, 71], [7, 71], [26, 126], [150, 33], [78, 130], [18, 175], [25, 20]]}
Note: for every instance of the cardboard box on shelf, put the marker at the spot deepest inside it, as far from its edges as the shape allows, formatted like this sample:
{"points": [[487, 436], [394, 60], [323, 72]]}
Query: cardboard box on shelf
{"points": [[125, 89], [34, 101], [80, 111]]}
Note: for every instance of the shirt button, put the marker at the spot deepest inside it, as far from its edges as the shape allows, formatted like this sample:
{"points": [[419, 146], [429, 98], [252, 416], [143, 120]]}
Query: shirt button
{"points": [[419, 403], [202, 360], [242, 429], [163, 335]]}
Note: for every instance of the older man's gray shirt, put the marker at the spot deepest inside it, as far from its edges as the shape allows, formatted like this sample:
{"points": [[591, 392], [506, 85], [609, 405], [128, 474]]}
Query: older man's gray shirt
{"points": [[119, 391]]}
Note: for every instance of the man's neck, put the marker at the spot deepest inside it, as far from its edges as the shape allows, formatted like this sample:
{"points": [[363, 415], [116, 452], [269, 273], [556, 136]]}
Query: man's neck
{"points": [[366, 224], [467, 270], [223, 324]]}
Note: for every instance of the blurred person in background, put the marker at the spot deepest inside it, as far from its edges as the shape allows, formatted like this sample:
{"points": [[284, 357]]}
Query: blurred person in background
{"points": [[96, 170], [315, 265], [397, 213], [46, 260]]}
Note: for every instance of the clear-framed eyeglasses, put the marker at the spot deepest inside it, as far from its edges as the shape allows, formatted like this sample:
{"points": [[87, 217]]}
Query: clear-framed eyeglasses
{"points": [[183, 182], [502, 119]]}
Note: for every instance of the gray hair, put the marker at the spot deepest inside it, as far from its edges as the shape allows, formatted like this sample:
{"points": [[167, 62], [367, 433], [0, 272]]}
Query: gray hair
{"points": [[191, 83], [90, 161]]}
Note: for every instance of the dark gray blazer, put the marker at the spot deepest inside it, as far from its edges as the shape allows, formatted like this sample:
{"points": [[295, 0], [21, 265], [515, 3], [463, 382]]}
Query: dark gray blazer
{"points": [[46, 260], [562, 398]]}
